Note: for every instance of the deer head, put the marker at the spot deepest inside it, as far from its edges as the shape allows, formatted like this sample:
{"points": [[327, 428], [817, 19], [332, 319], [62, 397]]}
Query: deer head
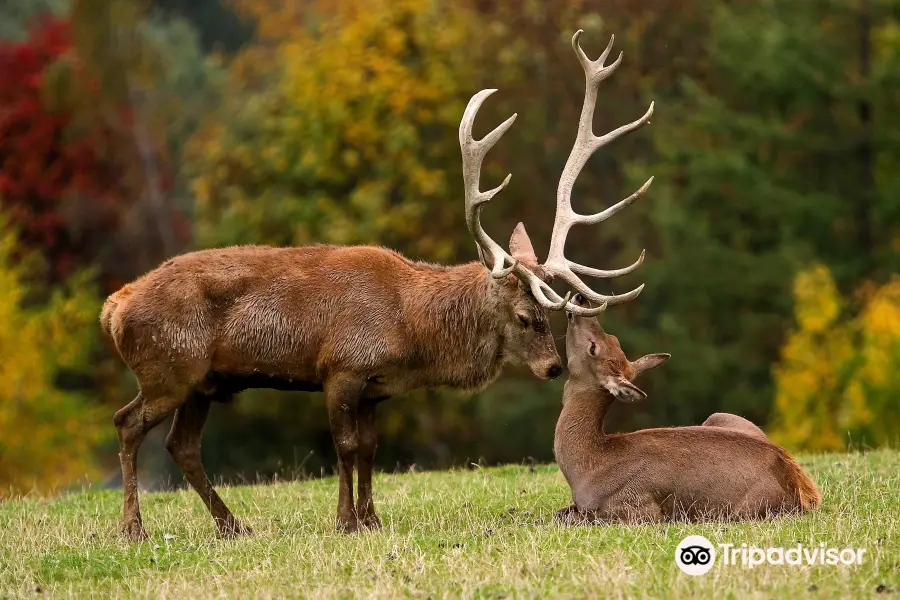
{"points": [[522, 282], [596, 359]]}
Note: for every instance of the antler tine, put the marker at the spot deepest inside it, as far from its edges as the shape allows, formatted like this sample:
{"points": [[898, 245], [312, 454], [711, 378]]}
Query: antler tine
{"points": [[473, 153], [549, 299], [600, 273], [586, 143], [614, 209]]}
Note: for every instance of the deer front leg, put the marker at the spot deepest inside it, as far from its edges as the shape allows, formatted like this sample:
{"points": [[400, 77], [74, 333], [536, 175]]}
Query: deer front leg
{"points": [[368, 442], [570, 515], [622, 506], [342, 395]]}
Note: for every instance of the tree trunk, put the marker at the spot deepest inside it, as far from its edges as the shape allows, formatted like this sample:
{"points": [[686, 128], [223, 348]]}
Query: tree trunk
{"points": [[864, 151]]}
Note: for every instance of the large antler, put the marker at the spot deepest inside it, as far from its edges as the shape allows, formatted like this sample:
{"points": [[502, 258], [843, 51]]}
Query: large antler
{"points": [[586, 143], [494, 256]]}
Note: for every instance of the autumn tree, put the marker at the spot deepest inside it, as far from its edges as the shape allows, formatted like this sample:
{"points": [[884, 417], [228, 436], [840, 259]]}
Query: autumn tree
{"points": [[97, 106], [17, 15], [48, 434], [121, 72], [837, 381], [348, 142], [47, 170]]}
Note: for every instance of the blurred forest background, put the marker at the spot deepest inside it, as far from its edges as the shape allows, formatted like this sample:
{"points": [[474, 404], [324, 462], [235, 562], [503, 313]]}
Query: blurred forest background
{"points": [[132, 131]]}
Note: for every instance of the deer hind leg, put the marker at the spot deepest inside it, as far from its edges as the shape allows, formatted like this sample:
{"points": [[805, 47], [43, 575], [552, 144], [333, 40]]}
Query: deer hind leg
{"points": [[132, 424], [763, 500], [730, 421], [368, 441], [183, 443], [342, 395]]}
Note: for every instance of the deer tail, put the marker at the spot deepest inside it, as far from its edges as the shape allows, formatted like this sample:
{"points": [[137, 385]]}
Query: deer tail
{"points": [[110, 317], [808, 494], [106, 313]]}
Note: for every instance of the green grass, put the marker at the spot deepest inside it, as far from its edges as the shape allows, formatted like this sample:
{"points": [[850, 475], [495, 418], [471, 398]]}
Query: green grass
{"points": [[467, 533]]}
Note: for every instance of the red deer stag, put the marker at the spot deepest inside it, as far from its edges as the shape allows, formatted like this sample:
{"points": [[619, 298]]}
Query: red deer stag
{"points": [[725, 469], [359, 323]]}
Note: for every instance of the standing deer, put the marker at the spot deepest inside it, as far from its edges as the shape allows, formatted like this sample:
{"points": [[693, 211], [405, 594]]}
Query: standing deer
{"points": [[359, 323], [725, 469]]}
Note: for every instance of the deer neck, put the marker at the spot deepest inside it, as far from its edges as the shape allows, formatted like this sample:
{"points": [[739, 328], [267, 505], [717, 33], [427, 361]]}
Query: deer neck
{"points": [[579, 439], [459, 326]]}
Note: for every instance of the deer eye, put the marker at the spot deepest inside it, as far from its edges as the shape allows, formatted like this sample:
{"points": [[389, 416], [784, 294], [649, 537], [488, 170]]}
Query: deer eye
{"points": [[524, 321], [593, 349]]}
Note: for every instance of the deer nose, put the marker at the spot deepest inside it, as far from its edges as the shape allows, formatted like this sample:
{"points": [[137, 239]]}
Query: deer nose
{"points": [[554, 371]]}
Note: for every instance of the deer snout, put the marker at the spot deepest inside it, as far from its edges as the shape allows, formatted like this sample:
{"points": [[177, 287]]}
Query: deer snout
{"points": [[554, 371], [577, 300]]}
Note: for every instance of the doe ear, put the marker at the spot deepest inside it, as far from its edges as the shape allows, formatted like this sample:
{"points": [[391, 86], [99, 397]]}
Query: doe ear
{"points": [[520, 247], [650, 361], [623, 390]]}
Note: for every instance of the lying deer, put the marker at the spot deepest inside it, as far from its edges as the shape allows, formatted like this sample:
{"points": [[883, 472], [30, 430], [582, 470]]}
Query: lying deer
{"points": [[725, 469], [360, 323], [729, 421]]}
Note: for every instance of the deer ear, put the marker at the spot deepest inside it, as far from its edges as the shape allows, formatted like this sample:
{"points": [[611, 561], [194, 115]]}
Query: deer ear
{"points": [[520, 247], [650, 361], [623, 390]]}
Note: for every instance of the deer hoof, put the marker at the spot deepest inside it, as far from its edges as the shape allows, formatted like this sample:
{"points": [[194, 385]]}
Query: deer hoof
{"points": [[348, 524], [134, 531], [371, 522], [232, 528], [569, 515]]}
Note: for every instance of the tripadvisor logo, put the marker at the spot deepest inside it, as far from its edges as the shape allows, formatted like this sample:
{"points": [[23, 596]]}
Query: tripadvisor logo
{"points": [[696, 555]]}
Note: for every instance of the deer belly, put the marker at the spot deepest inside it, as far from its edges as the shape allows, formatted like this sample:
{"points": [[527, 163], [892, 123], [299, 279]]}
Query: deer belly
{"points": [[219, 383], [386, 383]]}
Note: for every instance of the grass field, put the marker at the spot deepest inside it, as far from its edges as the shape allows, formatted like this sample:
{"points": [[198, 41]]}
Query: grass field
{"points": [[482, 533]]}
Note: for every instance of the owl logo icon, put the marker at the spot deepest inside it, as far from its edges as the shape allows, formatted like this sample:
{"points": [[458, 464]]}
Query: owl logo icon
{"points": [[695, 555]]}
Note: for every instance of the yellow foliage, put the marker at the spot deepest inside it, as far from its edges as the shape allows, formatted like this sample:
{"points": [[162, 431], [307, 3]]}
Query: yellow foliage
{"points": [[838, 380], [47, 434], [349, 141], [817, 300]]}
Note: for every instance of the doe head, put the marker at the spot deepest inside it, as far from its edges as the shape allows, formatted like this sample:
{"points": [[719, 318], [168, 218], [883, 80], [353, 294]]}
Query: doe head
{"points": [[596, 358]]}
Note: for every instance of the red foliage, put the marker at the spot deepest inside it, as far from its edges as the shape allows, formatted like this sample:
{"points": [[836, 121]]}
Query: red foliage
{"points": [[42, 163]]}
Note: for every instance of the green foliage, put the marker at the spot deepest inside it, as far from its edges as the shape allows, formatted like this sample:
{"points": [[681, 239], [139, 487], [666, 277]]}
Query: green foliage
{"points": [[764, 164], [48, 434], [16, 15], [217, 24], [190, 86], [480, 533], [837, 381]]}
